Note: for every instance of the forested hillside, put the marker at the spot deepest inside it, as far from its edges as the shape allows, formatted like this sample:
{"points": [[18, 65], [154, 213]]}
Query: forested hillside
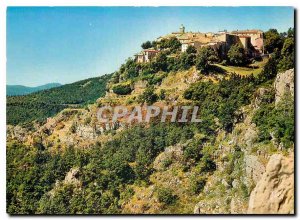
{"points": [[74, 164], [43, 104]]}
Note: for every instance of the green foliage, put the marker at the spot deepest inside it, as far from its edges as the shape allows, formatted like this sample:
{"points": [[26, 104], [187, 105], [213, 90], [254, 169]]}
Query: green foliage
{"points": [[122, 89], [269, 71], [191, 49], [104, 172], [87, 120], [288, 55], [32, 172], [197, 184], [160, 63], [237, 55], [207, 164], [172, 43], [162, 94], [44, 104], [148, 96], [205, 58], [73, 128], [157, 78], [272, 41], [223, 99], [146, 45], [129, 70], [187, 60], [278, 121], [165, 195], [291, 32], [193, 151]]}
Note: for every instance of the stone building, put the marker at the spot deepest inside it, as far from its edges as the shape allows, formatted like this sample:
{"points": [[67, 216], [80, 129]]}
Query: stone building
{"points": [[251, 40], [146, 55], [256, 38]]}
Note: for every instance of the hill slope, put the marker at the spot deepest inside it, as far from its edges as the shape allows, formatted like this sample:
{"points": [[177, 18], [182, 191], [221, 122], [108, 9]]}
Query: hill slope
{"points": [[13, 90], [43, 104]]}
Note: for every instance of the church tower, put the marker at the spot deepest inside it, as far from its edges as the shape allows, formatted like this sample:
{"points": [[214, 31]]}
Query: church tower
{"points": [[182, 29]]}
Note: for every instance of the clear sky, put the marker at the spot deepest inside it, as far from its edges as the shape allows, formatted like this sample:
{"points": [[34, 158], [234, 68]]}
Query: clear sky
{"points": [[66, 44]]}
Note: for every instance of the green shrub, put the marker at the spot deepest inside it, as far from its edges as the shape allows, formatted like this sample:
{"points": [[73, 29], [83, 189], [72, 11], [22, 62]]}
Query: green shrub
{"points": [[278, 120], [205, 58], [237, 55], [165, 195], [148, 96], [197, 184], [122, 89]]}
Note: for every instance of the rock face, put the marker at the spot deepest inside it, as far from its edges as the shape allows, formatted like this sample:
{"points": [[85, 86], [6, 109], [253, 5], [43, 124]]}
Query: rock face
{"points": [[254, 168], [72, 176], [284, 84], [16, 132], [172, 153], [86, 132], [274, 193], [258, 96]]}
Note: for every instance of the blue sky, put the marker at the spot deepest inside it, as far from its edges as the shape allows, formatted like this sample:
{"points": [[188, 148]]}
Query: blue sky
{"points": [[66, 44]]}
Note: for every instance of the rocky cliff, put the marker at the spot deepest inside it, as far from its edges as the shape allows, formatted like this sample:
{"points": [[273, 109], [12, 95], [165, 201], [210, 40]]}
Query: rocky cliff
{"points": [[274, 193]]}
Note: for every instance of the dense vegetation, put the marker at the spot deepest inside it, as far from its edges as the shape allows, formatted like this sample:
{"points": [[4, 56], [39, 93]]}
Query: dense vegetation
{"points": [[43, 104], [105, 171], [276, 123], [108, 172], [223, 99]]}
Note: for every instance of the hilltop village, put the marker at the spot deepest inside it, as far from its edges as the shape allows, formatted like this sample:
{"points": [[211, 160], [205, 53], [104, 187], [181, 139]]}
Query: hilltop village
{"points": [[251, 40], [239, 159]]}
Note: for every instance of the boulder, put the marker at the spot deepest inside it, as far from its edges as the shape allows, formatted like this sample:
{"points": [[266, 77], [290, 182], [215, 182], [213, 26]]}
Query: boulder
{"points": [[274, 193]]}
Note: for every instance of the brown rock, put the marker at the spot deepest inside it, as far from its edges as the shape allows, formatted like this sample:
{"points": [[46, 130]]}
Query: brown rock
{"points": [[274, 193]]}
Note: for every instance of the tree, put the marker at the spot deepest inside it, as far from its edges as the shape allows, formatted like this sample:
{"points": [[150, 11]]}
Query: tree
{"points": [[172, 43], [187, 60], [160, 62], [191, 49], [236, 55], [204, 58], [146, 45], [166, 196], [287, 55], [122, 89], [269, 71], [290, 32], [148, 96], [272, 41], [197, 184], [288, 47]]}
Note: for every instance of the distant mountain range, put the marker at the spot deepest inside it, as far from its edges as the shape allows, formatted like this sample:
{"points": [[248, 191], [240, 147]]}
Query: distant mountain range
{"points": [[48, 102], [13, 90]]}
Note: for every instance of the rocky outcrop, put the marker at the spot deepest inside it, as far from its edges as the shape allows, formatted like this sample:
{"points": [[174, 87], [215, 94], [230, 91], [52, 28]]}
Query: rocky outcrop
{"points": [[254, 168], [17, 133], [72, 176], [259, 95], [86, 132], [284, 84], [245, 132], [172, 153], [274, 193]]}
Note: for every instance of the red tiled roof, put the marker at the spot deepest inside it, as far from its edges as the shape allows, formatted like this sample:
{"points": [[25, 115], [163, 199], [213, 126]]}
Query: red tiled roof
{"points": [[244, 36]]}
